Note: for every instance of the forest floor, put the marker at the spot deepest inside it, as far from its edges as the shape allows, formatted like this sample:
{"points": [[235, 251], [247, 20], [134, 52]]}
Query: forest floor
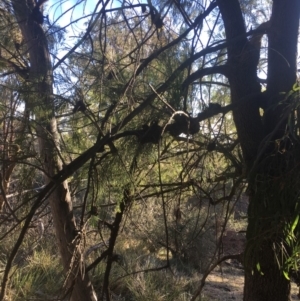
{"points": [[226, 283]]}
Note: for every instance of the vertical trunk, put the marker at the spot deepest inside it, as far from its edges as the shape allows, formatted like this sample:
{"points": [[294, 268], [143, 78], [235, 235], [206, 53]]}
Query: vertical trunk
{"points": [[270, 210], [275, 184], [268, 284], [40, 102], [272, 201], [243, 79], [274, 206]]}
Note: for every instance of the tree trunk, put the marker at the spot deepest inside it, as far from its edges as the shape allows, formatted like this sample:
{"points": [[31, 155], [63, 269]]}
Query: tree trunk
{"points": [[40, 102], [272, 185], [268, 283], [274, 202]]}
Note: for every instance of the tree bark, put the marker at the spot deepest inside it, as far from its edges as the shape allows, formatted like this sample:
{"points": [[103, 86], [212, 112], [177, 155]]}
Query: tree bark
{"points": [[40, 102], [271, 208], [272, 199], [243, 80]]}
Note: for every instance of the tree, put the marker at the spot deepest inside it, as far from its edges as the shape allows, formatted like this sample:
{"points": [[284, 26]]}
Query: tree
{"points": [[144, 91], [40, 77], [270, 209]]}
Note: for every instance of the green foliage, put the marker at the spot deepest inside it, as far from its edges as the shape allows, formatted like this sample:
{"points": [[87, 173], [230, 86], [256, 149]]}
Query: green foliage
{"points": [[38, 277]]}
